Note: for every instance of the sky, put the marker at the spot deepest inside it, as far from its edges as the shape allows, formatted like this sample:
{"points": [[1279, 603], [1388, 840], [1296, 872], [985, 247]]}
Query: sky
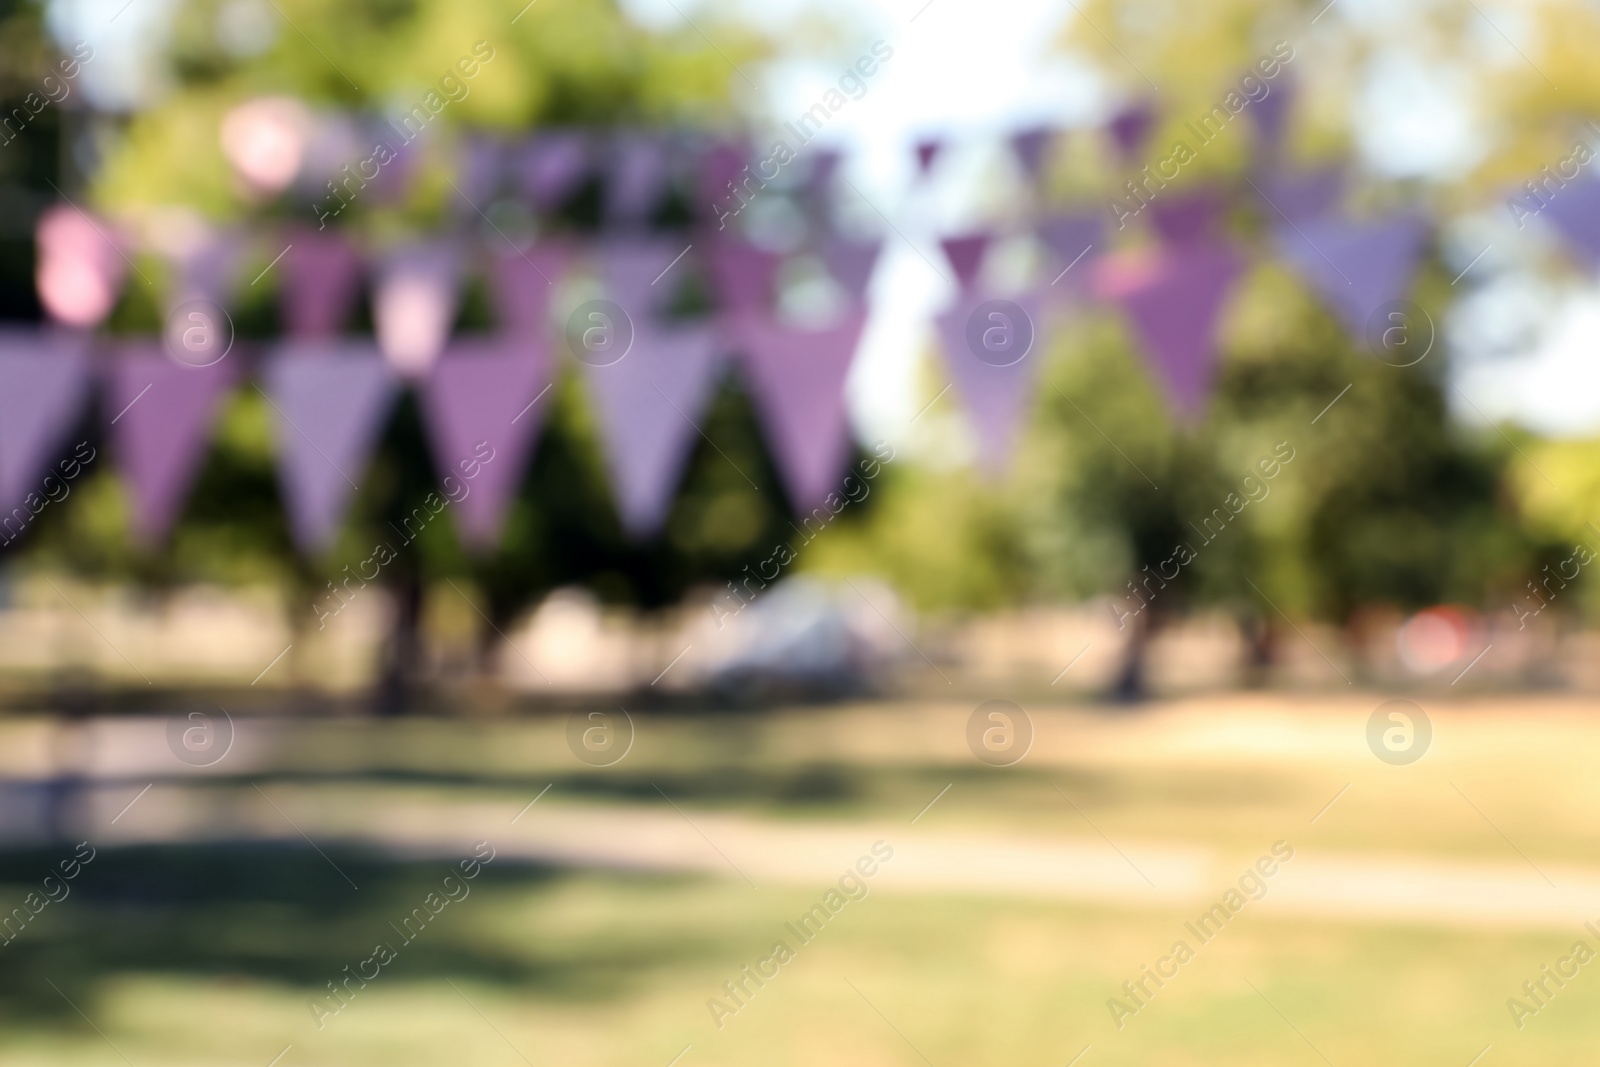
{"points": [[1520, 342]]}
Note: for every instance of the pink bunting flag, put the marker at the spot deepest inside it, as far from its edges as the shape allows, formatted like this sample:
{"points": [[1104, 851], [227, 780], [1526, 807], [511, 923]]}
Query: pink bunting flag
{"points": [[648, 406], [522, 283], [1174, 298], [637, 174], [851, 262], [161, 413], [80, 266], [796, 381], [483, 405], [552, 165], [1300, 195], [927, 151], [1029, 146], [1356, 267], [1574, 212], [330, 400], [1188, 217], [44, 381], [321, 281], [414, 304], [745, 276], [996, 388], [1130, 128], [965, 254]]}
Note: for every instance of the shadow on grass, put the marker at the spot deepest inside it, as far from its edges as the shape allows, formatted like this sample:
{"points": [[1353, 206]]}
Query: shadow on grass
{"points": [[284, 915]]}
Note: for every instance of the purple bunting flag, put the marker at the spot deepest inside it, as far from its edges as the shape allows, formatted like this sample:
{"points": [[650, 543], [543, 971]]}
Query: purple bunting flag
{"points": [[996, 397], [1300, 195], [1271, 115], [208, 268], [965, 254], [1189, 217], [1074, 240], [648, 405], [44, 381], [637, 174], [1575, 215], [483, 405], [1173, 299], [1355, 266], [1029, 146], [851, 262], [551, 165], [321, 281], [745, 276], [331, 400], [796, 381], [161, 417], [1130, 128], [641, 274], [927, 151], [522, 283]]}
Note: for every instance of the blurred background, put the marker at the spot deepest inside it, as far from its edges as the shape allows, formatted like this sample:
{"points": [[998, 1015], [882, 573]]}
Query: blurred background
{"points": [[680, 531]]}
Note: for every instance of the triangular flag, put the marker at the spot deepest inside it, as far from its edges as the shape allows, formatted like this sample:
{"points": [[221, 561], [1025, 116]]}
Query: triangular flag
{"points": [[551, 165], [1188, 217], [1075, 240], [796, 380], [81, 266], [997, 397], [207, 267], [321, 280], [1300, 195], [965, 254], [1271, 114], [1130, 128], [851, 262], [330, 400], [927, 151], [745, 276], [161, 418], [522, 283], [1030, 145], [483, 162], [648, 405], [483, 405], [637, 176], [1574, 212], [640, 274], [44, 380], [414, 304], [717, 178], [1356, 267], [1173, 298]]}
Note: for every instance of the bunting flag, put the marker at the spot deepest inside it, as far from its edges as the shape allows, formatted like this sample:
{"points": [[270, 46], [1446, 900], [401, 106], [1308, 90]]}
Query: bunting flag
{"points": [[996, 397], [483, 164], [745, 276], [648, 407], [637, 175], [483, 405], [1354, 266], [330, 401], [1574, 212], [1074, 240], [965, 254], [161, 415], [1300, 195], [44, 381], [207, 268], [1029, 146], [636, 274], [320, 284], [414, 304], [1270, 115], [927, 151], [1173, 299], [1130, 128], [851, 262], [1189, 217], [796, 381], [551, 166], [80, 266], [717, 179], [522, 284]]}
